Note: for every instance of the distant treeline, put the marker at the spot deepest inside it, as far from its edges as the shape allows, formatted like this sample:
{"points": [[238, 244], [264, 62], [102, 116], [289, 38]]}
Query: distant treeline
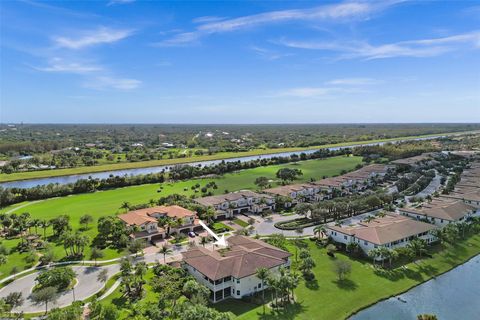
{"points": [[10, 196]]}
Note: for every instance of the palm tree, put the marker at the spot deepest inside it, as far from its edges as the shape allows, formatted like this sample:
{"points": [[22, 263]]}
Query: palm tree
{"points": [[203, 241], [262, 275], [44, 224], [419, 246], [165, 250], [319, 230], [374, 254], [125, 205]]}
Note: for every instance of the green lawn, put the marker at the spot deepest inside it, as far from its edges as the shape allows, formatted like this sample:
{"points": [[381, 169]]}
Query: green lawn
{"points": [[108, 202], [327, 298], [222, 155], [241, 223]]}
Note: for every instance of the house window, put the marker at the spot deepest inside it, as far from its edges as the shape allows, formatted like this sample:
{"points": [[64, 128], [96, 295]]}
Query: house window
{"points": [[238, 292], [238, 280], [259, 285], [365, 243], [345, 237]]}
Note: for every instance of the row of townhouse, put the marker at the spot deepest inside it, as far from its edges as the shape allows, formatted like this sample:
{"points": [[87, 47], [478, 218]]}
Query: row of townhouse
{"points": [[441, 211], [144, 223], [231, 272], [416, 161], [390, 231], [396, 230], [355, 181], [468, 188], [245, 201]]}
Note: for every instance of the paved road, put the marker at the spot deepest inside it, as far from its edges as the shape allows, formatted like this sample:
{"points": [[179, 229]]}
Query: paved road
{"points": [[266, 227], [86, 286], [430, 189]]}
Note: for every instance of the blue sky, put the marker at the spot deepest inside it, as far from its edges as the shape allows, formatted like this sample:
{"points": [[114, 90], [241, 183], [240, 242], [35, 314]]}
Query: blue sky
{"points": [[125, 61]]}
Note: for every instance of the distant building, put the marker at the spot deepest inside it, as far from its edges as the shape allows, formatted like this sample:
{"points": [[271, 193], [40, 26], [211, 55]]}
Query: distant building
{"points": [[231, 272], [245, 201], [144, 222], [391, 231], [441, 211]]}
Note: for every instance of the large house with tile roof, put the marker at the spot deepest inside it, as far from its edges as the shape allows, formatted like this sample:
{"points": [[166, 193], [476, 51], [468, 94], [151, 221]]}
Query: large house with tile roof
{"points": [[145, 222], [390, 231], [244, 201], [231, 272]]}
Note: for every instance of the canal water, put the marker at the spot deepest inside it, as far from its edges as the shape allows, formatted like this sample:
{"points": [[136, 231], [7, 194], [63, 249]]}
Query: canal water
{"points": [[451, 296], [132, 172]]}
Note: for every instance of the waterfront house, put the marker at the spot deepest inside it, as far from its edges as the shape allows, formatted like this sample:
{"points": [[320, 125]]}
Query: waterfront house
{"points": [[441, 211], [231, 272], [390, 231]]}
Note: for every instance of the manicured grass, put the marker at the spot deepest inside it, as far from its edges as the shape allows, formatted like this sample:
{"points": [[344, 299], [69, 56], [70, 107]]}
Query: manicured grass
{"points": [[241, 223], [328, 298], [122, 304], [219, 227], [151, 163], [103, 203]]}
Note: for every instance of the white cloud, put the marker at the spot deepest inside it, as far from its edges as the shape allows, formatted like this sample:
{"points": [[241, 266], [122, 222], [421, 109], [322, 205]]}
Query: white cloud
{"points": [[101, 35], [108, 82], [60, 65], [206, 19], [114, 2], [412, 48], [341, 11], [353, 81], [268, 54], [307, 92]]}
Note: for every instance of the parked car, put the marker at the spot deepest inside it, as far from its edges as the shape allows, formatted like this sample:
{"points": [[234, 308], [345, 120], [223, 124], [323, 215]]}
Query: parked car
{"points": [[191, 234]]}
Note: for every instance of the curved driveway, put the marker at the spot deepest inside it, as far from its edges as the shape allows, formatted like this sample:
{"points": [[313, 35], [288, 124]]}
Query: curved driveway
{"points": [[267, 227], [87, 286]]}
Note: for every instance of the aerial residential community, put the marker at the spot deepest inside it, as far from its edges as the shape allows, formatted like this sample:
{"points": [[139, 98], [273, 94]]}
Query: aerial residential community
{"points": [[250, 160]]}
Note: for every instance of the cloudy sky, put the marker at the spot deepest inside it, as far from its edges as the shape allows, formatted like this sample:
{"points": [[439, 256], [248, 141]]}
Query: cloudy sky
{"points": [[126, 61]]}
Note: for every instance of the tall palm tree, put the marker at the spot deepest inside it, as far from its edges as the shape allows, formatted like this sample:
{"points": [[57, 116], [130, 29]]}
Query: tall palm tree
{"points": [[125, 205], [262, 275], [319, 231], [203, 241], [165, 250]]}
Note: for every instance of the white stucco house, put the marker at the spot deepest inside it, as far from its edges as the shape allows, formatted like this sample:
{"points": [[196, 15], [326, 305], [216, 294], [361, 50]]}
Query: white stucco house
{"points": [[231, 272], [390, 231], [441, 211], [244, 201]]}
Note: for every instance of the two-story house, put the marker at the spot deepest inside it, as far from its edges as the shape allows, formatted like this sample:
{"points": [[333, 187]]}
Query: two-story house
{"points": [[391, 231], [231, 272], [244, 201]]}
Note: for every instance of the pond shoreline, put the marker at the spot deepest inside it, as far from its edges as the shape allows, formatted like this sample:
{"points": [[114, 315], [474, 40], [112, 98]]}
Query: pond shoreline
{"points": [[410, 288]]}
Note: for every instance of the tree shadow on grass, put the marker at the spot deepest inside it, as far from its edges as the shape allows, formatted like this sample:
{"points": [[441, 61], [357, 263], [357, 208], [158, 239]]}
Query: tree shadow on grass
{"points": [[287, 313], [392, 275], [346, 284], [429, 270], [312, 284]]}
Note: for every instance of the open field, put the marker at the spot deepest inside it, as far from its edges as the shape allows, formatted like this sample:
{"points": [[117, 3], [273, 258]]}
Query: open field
{"points": [[223, 155], [328, 298], [103, 203]]}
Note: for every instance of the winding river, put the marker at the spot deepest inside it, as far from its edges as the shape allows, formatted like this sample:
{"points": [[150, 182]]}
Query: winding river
{"points": [[101, 175], [453, 295]]}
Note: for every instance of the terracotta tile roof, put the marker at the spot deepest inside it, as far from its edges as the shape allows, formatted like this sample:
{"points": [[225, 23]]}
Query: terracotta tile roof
{"points": [[385, 230], [288, 189], [442, 208], [244, 257], [142, 216], [132, 218], [413, 160]]}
